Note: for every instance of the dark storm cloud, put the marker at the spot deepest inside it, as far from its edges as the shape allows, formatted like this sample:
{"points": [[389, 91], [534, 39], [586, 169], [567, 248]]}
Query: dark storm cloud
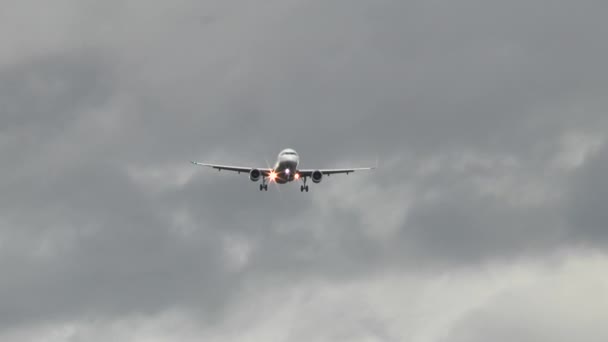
{"points": [[84, 231], [585, 205], [59, 84]]}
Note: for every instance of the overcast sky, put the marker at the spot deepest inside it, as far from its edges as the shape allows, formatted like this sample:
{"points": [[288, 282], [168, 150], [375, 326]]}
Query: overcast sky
{"points": [[486, 220]]}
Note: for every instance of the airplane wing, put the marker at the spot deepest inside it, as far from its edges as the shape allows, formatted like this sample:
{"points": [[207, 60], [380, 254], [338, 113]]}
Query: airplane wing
{"points": [[308, 173], [239, 169]]}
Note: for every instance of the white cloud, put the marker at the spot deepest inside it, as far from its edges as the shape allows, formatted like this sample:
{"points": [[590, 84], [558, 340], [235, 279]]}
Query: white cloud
{"points": [[576, 148]]}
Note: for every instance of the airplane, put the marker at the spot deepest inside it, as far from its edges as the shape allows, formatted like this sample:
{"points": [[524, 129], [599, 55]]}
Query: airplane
{"points": [[284, 171]]}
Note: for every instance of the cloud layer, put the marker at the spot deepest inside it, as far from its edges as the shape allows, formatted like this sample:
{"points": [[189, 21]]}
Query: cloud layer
{"points": [[488, 121]]}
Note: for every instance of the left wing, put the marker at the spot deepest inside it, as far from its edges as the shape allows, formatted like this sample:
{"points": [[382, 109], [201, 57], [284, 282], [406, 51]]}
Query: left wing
{"points": [[308, 173], [238, 169]]}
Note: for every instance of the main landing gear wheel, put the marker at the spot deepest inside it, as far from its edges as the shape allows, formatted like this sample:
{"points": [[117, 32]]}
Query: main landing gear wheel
{"points": [[263, 187], [304, 187]]}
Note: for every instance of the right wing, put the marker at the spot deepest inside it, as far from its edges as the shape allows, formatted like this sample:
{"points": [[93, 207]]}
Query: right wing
{"points": [[308, 173], [239, 169]]}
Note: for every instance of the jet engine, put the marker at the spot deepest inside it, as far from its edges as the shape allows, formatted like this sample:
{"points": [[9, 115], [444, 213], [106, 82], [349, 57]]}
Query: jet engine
{"points": [[316, 176], [255, 175]]}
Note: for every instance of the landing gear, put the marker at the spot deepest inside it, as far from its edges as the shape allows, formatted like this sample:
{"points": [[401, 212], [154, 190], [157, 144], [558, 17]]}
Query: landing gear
{"points": [[304, 187], [263, 186]]}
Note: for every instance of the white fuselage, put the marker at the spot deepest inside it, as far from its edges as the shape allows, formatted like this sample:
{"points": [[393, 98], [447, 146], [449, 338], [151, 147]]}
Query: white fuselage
{"points": [[286, 166]]}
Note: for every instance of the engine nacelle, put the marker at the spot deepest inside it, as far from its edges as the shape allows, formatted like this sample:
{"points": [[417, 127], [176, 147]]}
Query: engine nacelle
{"points": [[255, 175], [316, 176]]}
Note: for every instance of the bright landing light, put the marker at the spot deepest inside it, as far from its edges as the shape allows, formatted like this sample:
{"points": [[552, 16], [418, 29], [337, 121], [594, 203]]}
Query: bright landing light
{"points": [[272, 175], [296, 176]]}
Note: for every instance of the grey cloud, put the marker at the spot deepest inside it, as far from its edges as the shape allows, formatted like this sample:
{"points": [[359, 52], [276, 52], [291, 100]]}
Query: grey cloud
{"points": [[587, 199], [408, 82]]}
